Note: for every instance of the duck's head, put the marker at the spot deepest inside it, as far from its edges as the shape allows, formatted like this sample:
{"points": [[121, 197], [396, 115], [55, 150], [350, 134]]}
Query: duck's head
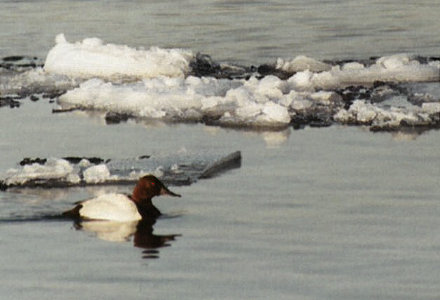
{"points": [[149, 186]]}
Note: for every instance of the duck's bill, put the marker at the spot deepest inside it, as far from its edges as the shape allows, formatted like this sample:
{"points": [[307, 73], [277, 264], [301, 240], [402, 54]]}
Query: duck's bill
{"points": [[165, 191]]}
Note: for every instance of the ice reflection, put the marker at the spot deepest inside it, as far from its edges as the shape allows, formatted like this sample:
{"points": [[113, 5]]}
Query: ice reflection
{"points": [[139, 232], [275, 139], [409, 134]]}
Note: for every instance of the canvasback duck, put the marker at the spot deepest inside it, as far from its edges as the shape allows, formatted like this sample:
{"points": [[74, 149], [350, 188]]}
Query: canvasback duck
{"points": [[123, 208]]}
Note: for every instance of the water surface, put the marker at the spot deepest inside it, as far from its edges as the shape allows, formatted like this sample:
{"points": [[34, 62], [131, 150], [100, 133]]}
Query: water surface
{"points": [[234, 31]]}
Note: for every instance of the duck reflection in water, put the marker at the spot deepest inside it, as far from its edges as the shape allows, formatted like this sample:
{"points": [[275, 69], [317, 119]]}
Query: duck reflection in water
{"points": [[118, 217], [139, 232]]}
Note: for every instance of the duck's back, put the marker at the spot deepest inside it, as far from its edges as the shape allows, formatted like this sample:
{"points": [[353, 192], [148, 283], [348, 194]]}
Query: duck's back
{"points": [[114, 207]]}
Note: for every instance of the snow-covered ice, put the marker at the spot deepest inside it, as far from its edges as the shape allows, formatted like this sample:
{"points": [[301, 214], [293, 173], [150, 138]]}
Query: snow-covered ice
{"points": [[64, 172], [187, 99], [395, 68], [92, 58], [52, 169], [162, 84], [302, 63], [98, 174], [361, 112]]}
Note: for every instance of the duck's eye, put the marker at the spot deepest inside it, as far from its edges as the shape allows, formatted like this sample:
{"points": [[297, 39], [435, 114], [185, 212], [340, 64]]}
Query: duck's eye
{"points": [[153, 184]]}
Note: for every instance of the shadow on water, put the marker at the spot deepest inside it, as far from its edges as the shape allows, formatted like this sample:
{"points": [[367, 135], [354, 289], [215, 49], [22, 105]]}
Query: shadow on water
{"points": [[140, 233]]}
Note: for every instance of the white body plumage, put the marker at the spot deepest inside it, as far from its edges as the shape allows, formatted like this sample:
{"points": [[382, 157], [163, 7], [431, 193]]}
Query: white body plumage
{"points": [[113, 207]]}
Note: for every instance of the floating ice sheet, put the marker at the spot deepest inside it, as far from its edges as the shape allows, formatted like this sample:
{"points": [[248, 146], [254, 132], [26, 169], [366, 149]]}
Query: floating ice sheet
{"points": [[395, 68], [177, 86], [269, 102], [63, 172], [390, 118]]}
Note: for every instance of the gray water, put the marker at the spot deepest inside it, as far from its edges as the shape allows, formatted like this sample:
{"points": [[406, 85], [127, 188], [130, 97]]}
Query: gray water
{"points": [[319, 213], [234, 31]]}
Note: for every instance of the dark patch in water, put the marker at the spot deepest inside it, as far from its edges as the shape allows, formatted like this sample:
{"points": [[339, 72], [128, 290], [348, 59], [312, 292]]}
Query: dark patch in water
{"points": [[44, 91], [203, 65], [351, 93], [9, 101], [375, 93], [407, 128], [13, 58], [36, 218], [3, 186], [54, 93], [32, 93], [426, 59], [312, 120], [265, 70], [116, 118], [76, 160], [70, 159], [30, 161], [19, 62], [63, 110]]}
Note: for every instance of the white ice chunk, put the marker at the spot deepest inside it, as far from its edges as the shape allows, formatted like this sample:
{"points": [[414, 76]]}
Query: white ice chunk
{"points": [[302, 81], [395, 68], [431, 107], [59, 169], [364, 113], [301, 104], [249, 111], [274, 113], [93, 58], [36, 79], [326, 97], [84, 163], [158, 172], [361, 112], [97, 174], [395, 61], [353, 66], [73, 178], [302, 63], [343, 116]]}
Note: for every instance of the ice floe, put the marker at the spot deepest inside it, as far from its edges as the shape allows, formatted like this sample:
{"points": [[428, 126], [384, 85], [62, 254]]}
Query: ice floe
{"points": [[266, 103], [302, 63], [179, 169], [175, 85], [52, 169], [390, 118], [395, 68], [222, 102], [92, 58]]}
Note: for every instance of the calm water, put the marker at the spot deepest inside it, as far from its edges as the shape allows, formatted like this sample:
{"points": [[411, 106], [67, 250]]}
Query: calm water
{"points": [[328, 213], [250, 32]]}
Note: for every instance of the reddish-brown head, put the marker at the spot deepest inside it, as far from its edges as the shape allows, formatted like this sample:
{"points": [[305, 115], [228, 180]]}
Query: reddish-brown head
{"points": [[148, 187]]}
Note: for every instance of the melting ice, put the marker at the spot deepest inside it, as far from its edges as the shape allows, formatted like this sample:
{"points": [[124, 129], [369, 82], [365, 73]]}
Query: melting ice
{"points": [[177, 85], [178, 169]]}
